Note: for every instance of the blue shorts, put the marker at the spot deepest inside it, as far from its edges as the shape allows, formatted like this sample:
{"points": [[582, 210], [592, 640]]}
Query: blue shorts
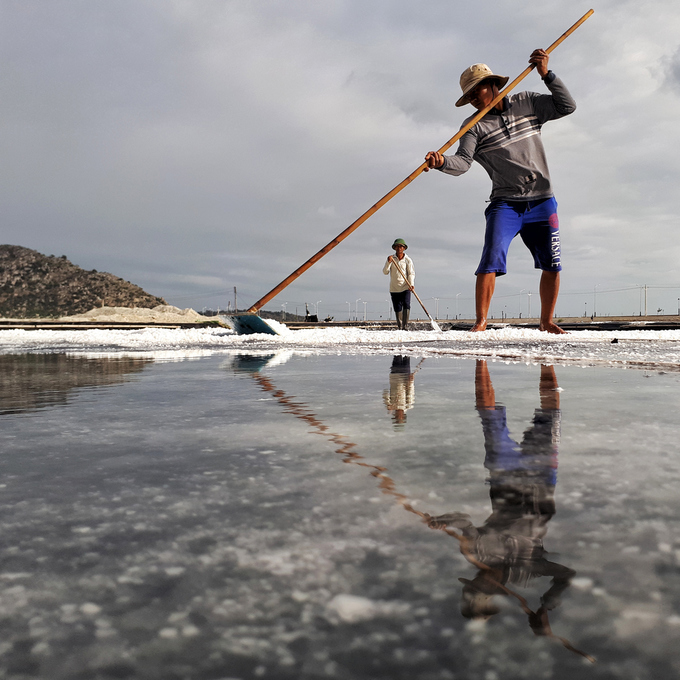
{"points": [[535, 221]]}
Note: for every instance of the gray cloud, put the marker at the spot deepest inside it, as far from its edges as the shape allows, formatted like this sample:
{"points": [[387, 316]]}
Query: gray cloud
{"points": [[182, 144], [673, 70]]}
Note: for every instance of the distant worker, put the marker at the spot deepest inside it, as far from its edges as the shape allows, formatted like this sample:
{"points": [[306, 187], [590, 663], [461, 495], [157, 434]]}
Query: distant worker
{"points": [[506, 142], [400, 287]]}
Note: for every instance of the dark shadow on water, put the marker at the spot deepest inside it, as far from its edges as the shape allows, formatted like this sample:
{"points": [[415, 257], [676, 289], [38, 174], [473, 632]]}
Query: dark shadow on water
{"points": [[34, 381]]}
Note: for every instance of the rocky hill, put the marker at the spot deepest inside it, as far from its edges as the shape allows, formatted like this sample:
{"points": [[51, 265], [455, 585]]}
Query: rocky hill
{"points": [[34, 285]]}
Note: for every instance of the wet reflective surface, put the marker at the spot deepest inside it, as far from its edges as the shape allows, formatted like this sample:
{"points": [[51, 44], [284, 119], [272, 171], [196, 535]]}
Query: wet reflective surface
{"points": [[269, 516], [34, 381]]}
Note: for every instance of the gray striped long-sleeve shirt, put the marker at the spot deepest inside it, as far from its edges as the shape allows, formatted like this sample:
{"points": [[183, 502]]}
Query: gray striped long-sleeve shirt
{"points": [[508, 143]]}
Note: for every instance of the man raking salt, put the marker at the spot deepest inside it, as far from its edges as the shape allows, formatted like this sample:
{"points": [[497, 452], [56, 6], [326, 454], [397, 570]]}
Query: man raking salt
{"points": [[506, 142], [509, 112]]}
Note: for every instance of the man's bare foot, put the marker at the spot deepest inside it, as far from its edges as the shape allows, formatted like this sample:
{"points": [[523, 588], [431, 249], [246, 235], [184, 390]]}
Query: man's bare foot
{"points": [[550, 327], [479, 326]]}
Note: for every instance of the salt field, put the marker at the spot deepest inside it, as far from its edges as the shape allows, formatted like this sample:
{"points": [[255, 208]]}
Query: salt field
{"points": [[642, 347], [193, 504]]}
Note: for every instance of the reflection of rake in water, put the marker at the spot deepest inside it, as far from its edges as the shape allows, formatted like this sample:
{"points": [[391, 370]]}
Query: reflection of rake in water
{"points": [[387, 486]]}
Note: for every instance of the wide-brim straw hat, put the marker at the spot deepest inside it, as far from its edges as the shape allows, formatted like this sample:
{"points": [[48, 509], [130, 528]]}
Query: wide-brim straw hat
{"points": [[472, 76]]}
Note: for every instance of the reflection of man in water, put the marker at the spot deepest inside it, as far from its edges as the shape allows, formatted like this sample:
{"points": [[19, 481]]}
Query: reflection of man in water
{"points": [[509, 545], [402, 393]]}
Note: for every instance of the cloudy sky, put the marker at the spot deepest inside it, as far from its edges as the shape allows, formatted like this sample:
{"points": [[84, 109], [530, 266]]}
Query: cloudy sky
{"points": [[193, 146]]}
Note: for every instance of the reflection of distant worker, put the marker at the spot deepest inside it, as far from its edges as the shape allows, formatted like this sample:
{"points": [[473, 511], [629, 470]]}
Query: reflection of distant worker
{"points": [[402, 393], [400, 287], [508, 548]]}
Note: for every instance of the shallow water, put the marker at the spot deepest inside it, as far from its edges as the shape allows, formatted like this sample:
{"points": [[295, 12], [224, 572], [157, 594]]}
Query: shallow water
{"points": [[277, 516]]}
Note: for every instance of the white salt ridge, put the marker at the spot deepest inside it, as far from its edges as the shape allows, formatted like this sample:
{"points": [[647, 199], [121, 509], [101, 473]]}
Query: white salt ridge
{"points": [[633, 347], [353, 608], [162, 313]]}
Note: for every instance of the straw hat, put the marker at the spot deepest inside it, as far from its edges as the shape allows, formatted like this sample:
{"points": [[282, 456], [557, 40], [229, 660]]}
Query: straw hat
{"points": [[472, 76]]}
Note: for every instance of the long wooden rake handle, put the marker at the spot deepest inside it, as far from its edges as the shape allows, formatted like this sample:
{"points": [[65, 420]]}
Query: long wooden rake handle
{"points": [[373, 209]]}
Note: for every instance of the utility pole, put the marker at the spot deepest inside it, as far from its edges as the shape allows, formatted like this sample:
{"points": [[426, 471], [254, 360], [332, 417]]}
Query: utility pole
{"points": [[235, 301]]}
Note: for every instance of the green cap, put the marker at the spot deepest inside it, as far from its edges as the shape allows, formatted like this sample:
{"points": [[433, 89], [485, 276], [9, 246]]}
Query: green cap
{"points": [[399, 242]]}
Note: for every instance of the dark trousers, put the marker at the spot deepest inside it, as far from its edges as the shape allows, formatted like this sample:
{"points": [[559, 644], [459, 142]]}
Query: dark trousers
{"points": [[401, 300]]}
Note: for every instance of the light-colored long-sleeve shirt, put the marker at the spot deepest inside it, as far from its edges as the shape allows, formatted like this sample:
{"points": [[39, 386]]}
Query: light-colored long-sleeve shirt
{"points": [[398, 283], [402, 393]]}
